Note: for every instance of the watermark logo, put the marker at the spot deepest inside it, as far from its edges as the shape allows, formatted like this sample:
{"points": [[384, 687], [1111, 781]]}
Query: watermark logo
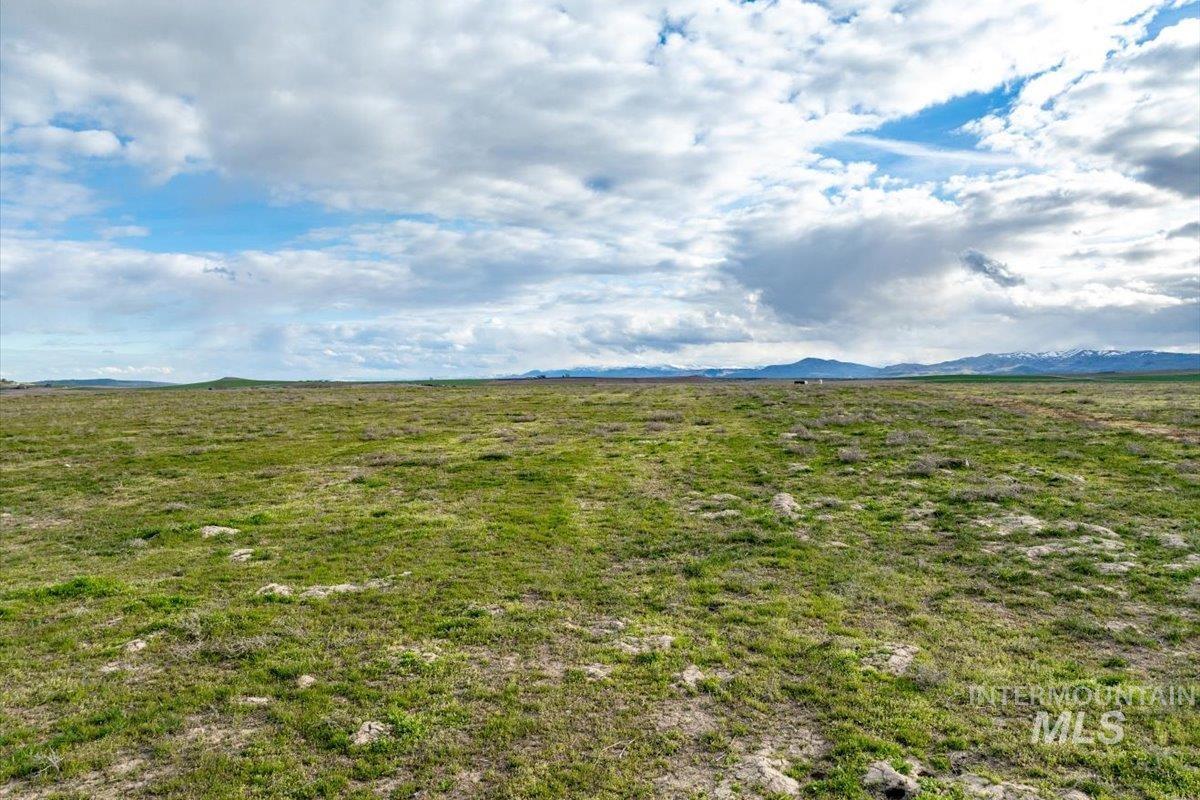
{"points": [[1079, 714], [1072, 726]]}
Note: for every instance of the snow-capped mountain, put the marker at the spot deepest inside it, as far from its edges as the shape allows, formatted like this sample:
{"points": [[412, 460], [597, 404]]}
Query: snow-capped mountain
{"points": [[1056, 362], [1062, 362]]}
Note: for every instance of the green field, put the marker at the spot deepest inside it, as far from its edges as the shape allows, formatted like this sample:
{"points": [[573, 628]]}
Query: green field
{"points": [[1138, 377], [594, 589]]}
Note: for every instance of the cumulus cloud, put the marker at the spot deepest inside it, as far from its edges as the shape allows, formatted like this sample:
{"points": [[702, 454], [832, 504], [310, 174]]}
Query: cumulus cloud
{"points": [[885, 259], [51, 138], [505, 110], [1136, 112], [536, 184]]}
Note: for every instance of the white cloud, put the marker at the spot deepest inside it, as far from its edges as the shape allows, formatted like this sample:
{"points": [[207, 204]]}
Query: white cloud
{"points": [[124, 232], [43, 82], [41, 198], [506, 110], [605, 182], [1137, 113], [132, 371], [91, 143]]}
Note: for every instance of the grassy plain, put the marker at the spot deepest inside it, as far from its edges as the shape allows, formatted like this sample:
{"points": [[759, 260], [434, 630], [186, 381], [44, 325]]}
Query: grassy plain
{"points": [[514, 578]]}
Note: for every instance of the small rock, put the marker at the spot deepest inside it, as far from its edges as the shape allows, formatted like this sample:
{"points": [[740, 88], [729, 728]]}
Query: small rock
{"points": [[1173, 540], [209, 531], [646, 644], [892, 658], [785, 505], [725, 513], [597, 672], [136, 646], [1099, 530], [244, 554], [885, 781], [1011, 523], [922, 511], [1193, 559], [256, 701], [1038, 551], [275, 590], [320, 591], [368, 732], [691, 676], [1106, 545], [305, 681], [325, 591], [980, 787], [1115, 567], [766, 772]]}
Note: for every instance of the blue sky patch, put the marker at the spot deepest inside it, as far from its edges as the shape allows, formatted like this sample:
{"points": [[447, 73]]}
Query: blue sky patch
{"points": [[202, 212], [940, 125], [1166, 17]]}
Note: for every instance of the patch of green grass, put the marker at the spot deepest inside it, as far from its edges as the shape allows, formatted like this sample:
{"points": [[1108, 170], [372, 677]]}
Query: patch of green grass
{"points": [[82, 587], [1124, 377], [512, 577], [967, 378]]}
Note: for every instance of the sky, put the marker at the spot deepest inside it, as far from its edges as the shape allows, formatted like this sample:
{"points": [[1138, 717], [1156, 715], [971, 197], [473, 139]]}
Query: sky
{"points": [[377, 190]]}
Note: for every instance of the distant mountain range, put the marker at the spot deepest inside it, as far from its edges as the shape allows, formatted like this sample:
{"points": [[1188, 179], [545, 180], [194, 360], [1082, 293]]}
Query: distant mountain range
{"points": [[1063, 362]]}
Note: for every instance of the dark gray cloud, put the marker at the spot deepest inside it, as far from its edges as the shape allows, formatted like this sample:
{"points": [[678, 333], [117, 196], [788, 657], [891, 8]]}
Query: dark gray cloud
{"points": [[1179, 172], [1189, 231], [812, 277], [815, 277], [989, 267], [891, 274]]}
